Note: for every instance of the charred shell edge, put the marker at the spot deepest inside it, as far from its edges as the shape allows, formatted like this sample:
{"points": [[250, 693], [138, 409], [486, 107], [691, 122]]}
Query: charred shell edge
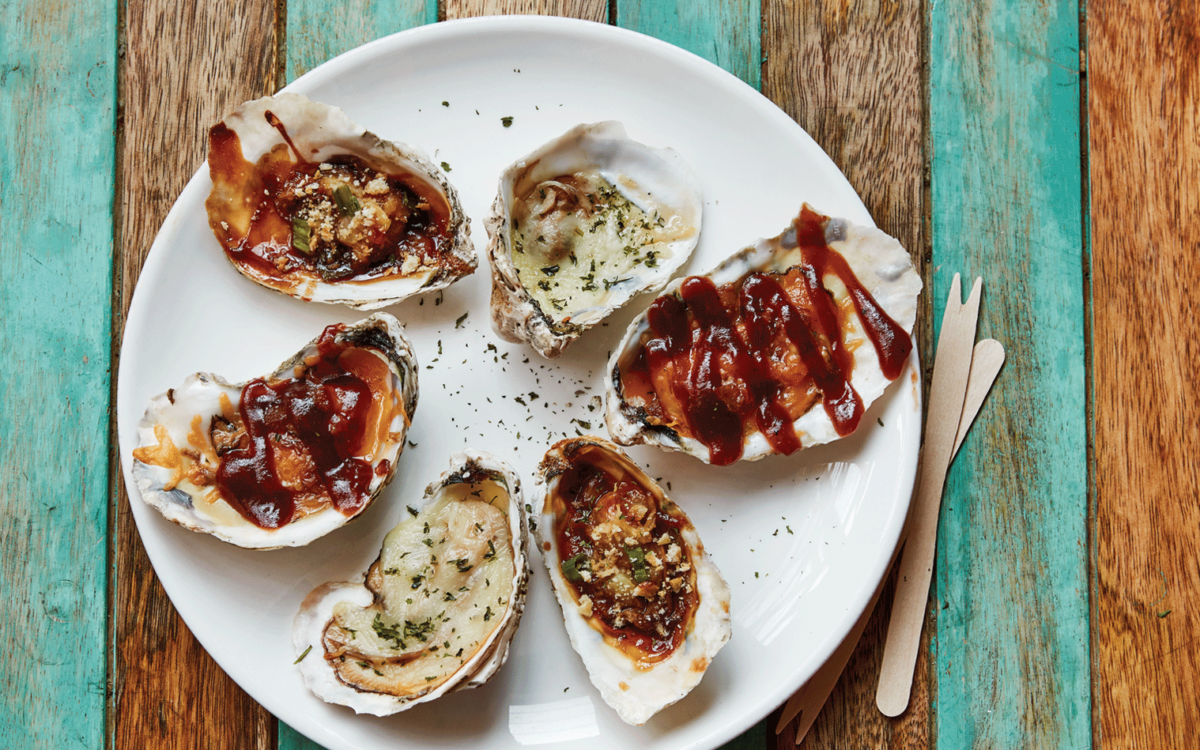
{"points": [[311, 620], [380, 332]]}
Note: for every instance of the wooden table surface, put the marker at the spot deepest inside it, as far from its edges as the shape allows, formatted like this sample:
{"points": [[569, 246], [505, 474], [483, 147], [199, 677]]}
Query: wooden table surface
{"points": [[1052, 147]]}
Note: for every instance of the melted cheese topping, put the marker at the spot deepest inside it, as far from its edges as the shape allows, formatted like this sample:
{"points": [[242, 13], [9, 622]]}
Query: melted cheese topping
{"points": [[442, 585]]}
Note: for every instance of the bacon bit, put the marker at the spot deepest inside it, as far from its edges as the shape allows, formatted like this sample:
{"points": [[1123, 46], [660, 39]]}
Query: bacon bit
{"points": [[675, 583]]}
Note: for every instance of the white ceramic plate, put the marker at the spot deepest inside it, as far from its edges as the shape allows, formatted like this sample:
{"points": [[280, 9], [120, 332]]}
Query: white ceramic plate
{"points": [[802, 540]]}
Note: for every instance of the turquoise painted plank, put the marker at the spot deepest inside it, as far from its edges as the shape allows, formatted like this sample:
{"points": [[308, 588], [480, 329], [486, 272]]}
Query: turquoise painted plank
{"points": [[57, 142], [1011, 649], [318, 30], [726, 32]]}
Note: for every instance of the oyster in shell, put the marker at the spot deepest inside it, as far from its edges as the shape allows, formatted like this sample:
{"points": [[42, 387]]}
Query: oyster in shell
{"points": [[582, 225], [644, 606], [282, 460], [437, 609], [782, 346], [309, 204]]}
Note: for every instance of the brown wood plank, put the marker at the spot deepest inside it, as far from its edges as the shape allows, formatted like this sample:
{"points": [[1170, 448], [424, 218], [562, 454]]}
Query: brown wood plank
{"points": [[184, 65], [1144, 128], [589, 10], [851, 75]]}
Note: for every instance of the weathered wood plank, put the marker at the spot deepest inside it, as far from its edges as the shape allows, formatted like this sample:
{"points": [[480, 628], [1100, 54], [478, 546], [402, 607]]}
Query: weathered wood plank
{"points": [[57, 123], [318, 30], [185, 66], [1144, 128], [726, 32], [851, 76], [1011, 646], [588, 10]]}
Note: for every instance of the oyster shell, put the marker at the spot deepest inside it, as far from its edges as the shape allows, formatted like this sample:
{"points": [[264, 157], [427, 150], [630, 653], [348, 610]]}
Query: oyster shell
{"points": [[782, 346], [281, 461], [644, 606], [309, 204], [580, 226], [437, 609]]}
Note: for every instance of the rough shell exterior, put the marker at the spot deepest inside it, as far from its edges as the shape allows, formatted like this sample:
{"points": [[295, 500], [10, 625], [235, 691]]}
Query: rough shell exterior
{"points": [[316, 611], [635, 694], [200, 394], [877, 259], [322, 131]]}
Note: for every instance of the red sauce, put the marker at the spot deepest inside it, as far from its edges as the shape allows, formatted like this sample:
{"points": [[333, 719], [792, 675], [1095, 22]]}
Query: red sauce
{"points": [[650, 625], [739, 358], [273, 192], [323, 412]]}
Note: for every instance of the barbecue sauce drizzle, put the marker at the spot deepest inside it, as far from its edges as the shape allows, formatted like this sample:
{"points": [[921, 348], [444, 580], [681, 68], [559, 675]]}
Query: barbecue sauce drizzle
{"points": [[695, 351], [326, 409], [270, 234], [586, 489]]}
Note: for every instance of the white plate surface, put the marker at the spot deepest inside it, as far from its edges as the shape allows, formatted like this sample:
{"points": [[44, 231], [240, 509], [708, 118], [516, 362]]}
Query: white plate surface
{"points": [[802, 540]]}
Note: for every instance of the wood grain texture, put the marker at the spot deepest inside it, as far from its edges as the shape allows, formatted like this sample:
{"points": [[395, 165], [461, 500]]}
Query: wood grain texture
{"points": [[57, 123], [1011, 644], [318, 30], [851, 75], [726, 32], [185, 66], [588, 10], [1144, 127]]}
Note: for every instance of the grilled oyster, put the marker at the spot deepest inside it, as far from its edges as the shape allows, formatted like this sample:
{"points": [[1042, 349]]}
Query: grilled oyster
{"points": [[782, 346], [438, 607], [309, 204], [282, 460], [644, 606], [580, 226]]}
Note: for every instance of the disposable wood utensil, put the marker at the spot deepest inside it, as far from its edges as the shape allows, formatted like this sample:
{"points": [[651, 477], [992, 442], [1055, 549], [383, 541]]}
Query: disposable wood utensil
{"points": [[951, 369], [807, 702]]}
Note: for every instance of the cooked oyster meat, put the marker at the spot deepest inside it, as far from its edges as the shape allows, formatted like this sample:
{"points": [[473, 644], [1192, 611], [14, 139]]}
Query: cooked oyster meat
{"points": [[576, 236], [282, 459], [582, 225], [644, 606], [438, 606], [783, 345], [309, 204]]}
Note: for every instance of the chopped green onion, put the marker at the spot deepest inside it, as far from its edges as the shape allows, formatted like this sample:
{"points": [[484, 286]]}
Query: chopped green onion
{"points": [[346, 202], [303, 655], [637, 559], [301, 235], [570, 567]]}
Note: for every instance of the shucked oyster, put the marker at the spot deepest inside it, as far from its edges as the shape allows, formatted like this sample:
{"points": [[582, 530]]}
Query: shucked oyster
{"points": [[644, 606], [438, 607], [307, 203], [582, 225], [282, 460], [782, 346]]}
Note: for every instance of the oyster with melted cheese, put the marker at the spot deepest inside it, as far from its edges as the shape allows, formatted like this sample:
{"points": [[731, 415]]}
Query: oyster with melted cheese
{"points": [[644, 606], [437, 609], [283, 459], [582, 225]]}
